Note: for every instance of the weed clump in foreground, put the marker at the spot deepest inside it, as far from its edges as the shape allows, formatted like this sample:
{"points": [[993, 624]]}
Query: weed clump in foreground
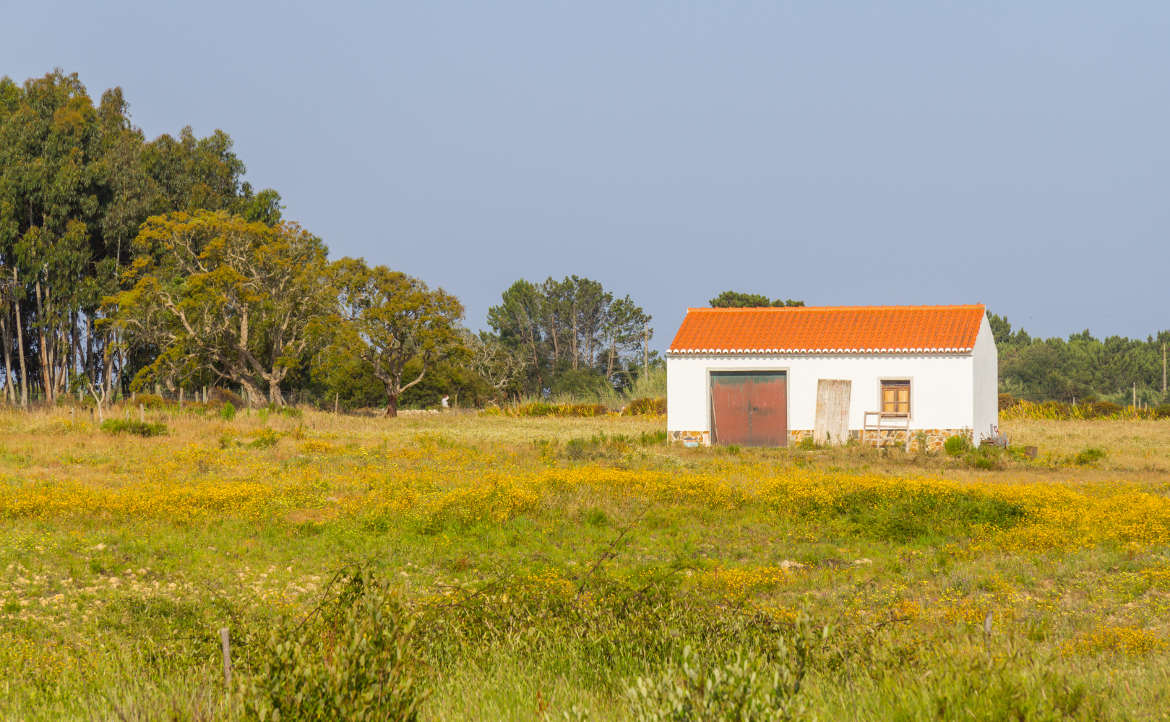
{"points": [[126, 426], [750, 686], [352, 658]]}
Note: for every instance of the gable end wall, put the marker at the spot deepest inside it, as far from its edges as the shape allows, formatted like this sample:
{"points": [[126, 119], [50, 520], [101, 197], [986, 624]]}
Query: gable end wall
{"points": [[985, 382]]}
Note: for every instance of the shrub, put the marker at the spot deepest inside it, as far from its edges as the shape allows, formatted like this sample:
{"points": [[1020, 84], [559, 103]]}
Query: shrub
{"points": [[353, 658], [1103, 409], [652, 438], [749, 686], [1060, 411], [126, 426], [291, 412], [984, 457], [645, 407], [612, 447], [543, 408], [985, 460], [150, 401], [1006, 401], [227, 412], [1162, 411], [267, 438], [1088, 456], [957, 444], [225, 396]]}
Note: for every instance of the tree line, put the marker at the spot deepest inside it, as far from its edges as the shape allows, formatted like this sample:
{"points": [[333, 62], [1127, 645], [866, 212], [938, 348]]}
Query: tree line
{"points": [[132, 264], [1081, 367]]}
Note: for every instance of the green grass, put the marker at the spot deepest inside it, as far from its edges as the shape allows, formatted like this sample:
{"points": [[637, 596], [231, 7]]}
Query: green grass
{"points": [[543, 582]]}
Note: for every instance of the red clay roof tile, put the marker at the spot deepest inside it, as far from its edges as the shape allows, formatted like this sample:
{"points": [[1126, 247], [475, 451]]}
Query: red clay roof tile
{"points": [[829, 329]]}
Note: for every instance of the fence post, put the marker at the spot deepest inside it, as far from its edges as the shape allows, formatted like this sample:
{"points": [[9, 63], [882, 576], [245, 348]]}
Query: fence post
{"points": [[226, 646]]}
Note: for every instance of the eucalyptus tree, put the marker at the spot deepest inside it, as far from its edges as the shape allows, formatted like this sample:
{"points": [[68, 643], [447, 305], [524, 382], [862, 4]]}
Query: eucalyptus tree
{"points": [[216, 294], [76, 182]]}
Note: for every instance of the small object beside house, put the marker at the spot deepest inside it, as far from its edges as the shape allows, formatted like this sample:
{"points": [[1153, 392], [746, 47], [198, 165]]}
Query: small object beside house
{"points": [[904, 375]]}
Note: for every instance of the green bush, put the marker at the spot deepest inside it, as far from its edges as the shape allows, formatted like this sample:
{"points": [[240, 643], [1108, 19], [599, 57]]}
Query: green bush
{"points": [[227, 412], [1088, 456], [126, 426], [985, 458], [352, 659], [956, 445], [749, 686]]}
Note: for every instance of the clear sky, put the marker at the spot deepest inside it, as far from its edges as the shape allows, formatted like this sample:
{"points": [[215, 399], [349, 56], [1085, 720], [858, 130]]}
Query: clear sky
{"points": [[1014, 154]]}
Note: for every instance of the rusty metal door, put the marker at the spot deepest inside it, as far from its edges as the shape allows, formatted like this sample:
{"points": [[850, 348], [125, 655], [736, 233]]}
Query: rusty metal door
{"points": [[749, 408]]}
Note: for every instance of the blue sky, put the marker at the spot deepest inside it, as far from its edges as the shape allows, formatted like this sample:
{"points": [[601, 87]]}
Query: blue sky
{"points": [[1013, 154]]}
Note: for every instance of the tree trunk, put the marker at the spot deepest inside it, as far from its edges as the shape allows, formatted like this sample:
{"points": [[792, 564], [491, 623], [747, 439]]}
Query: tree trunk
{"points": [[9, 385], [108, 378], [74, 347], [391, 400], [574, 340], [46, 370], [20, 345], [90, 361], [250, 390], [274, 394]]}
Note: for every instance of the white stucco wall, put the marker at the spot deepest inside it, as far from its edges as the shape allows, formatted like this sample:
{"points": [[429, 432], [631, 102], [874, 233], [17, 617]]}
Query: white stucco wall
{"points": [[986, 382], [940, 387]]}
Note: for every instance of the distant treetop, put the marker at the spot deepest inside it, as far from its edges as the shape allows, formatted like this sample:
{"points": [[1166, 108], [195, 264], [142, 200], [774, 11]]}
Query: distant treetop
{"points": [[735, 299]]}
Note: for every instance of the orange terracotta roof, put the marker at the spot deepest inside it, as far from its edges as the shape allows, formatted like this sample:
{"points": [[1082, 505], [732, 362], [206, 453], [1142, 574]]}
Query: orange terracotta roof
{"points": [[829, 329]]}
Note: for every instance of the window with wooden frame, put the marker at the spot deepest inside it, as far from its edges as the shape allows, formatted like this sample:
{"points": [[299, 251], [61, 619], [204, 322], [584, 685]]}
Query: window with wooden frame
{"points": [[896, 397]]}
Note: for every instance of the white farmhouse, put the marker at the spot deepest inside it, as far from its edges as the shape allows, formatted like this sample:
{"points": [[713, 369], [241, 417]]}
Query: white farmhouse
{"points": [[878, 374]]}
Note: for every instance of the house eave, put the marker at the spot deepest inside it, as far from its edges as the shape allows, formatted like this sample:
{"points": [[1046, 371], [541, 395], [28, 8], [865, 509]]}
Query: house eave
{"points": [[819, 352]]}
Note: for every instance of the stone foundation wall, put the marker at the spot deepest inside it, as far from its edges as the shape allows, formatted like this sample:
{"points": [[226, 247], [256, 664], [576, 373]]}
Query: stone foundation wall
{"points": [[795, 436], [920, 439], [931, 439], [691, 438]]}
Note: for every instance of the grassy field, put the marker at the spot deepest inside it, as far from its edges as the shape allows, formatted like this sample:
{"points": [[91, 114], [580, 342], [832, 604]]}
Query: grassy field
{"points": [[582, 569]]}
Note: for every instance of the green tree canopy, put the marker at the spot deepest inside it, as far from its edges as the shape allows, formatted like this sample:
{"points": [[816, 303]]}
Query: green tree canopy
{"points": [[572, 327], [76, 182], [218, 294], [737, 299], [393, 324]]}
